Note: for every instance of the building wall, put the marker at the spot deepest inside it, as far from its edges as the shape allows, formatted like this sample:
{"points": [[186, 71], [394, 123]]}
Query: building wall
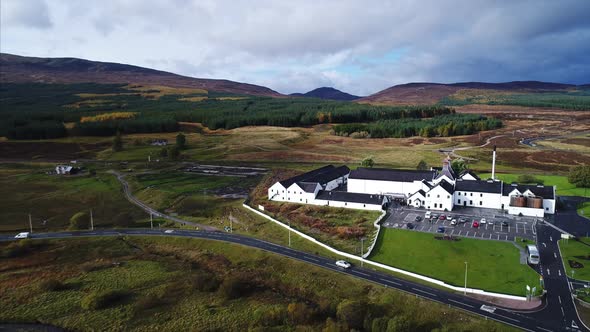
{"points": [[530, 212], [473, 199], [383, 187], [335, 183], [348, 205], [277, 192], [439, 199]]}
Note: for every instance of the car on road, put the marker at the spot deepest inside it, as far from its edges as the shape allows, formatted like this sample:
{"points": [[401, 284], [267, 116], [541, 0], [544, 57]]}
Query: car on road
{"points": [[442, 217], [441, 229], [475, 224], [169, 231], [410, 225], [23, 235], [418, 219], [427, 215], [343, 264], [483, 221], [453, 221]]}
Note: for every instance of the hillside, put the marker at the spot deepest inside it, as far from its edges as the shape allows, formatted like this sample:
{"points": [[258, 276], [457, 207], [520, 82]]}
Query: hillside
{"points": [[20, 69], [327, 93], [429, 93]]}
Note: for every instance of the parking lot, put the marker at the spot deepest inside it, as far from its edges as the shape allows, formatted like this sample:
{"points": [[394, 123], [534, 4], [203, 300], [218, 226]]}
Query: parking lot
{"points": [[492, 230]]}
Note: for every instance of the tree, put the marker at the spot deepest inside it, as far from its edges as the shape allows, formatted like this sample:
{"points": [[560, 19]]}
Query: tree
{"points": [[580, 176], [299, 313], [79, 220], [124, 219], [400, 324], [458, 165], [368, 162], [181, 141], [422, 166], [164, 152], [528, 178], [117, 142], [173, 152], [352, 313]]}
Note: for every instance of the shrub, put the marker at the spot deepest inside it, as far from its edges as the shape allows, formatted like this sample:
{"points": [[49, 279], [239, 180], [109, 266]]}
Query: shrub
{"points": [[351, 312], [103, 299], [360, 134], [124, 219], [50, 285], [205, 282], [269, 317], [80, 220], [300, 313], [148, 302], [528, 178], [233, 287]]}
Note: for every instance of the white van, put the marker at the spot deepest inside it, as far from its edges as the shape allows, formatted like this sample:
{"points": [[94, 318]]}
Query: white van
{"points": [[23, 235], [532, 254], [427, 215]]}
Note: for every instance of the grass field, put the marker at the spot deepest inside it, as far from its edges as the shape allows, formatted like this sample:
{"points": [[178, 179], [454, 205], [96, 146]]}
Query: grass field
{"points": [[578, 251], [185, 284], [492, 265], [26, 188], [564, 188], [584, 209]]}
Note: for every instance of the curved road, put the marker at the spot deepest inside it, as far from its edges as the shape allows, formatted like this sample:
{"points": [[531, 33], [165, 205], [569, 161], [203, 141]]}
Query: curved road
{"points": [[547, 319]]}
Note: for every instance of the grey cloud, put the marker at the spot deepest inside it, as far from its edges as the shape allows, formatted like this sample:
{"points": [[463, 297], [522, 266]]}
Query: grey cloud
{"points": [[25, 13]]}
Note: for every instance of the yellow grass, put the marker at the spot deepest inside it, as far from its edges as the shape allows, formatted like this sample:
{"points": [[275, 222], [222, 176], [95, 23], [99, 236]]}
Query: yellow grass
{"points": [[146, 90], [479, 95], [193, 99], [108, 117]]}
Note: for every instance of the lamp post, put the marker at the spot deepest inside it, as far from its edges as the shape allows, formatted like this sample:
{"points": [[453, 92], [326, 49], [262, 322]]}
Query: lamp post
{"points": [[362, 245], [289, 233], [465, 289]]}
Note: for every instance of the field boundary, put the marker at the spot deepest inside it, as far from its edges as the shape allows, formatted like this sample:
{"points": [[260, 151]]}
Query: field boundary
{"points": [[378, 226], [387, 267]]}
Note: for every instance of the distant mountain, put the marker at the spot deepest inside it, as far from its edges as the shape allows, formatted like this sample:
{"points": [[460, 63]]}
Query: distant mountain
{"points": [[429, 93], [20, 69], [327, 93]]}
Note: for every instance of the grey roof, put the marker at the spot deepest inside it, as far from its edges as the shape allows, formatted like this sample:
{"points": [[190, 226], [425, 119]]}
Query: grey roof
{"points": [[480, 186], [470, 173], [308, 187], [448, 187], [421, 192], [383, 174], [427, 184], [343, 196], [321, 175], [544, 191], [448, 171]]}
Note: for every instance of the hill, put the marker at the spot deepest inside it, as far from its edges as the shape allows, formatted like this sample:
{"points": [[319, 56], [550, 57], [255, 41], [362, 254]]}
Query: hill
{"points": [[430, 93], [327, 93], [20, 69]]}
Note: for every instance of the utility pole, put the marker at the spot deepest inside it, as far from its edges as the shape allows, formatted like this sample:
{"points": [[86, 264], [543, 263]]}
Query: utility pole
{"points": [[465, 289], [362, 245], [151, 220], [289, 234], [91, 221], [30, 224], [231, 224]]}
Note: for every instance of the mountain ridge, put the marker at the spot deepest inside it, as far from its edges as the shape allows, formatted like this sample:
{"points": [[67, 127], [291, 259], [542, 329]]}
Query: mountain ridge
{"points": [[327, 93]]}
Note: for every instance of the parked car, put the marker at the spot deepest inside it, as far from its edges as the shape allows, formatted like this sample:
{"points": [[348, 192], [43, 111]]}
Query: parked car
{"points": [[483, 221], [23, 235], [441, 229], [475, 224], [504, 223], [410, 225], [343, 264], [434, 216], [454, 222], [418, 219], [462, 220], [442, 217], [427, 215]]}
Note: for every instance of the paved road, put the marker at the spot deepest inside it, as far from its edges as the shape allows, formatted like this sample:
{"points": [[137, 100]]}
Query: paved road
{"points": [[545, 320]]}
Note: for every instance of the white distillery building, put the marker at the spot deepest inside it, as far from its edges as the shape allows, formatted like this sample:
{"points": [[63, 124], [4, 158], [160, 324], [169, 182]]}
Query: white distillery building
{"points": [[442, 190]]}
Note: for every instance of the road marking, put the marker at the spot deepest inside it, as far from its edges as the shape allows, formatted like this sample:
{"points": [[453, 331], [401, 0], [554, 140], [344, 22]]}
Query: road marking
{"points": [[559, 298], [548, 272], [425, 292], [544, 245], [498, 236], [559, 272], [551, 238], [467, 233], [506, 237], [311, 259], [490, 236], [540, 328], [482, 234], [465, 304], [391, 282], [459, 233], [555, 254], [512, 319], [562, 312], [516, 228], [524, 229], [361, 273]]}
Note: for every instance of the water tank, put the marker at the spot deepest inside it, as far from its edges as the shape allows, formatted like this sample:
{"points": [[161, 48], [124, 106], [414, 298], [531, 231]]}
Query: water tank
{"points": [[518, 201], [537, 202]]}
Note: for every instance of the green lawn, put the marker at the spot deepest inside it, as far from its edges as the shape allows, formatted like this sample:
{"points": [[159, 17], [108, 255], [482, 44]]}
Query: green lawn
{"points": [[492, 265], [564, 188], [578, 251], [584, 209]]}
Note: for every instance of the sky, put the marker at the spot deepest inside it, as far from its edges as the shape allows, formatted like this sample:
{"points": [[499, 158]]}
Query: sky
{"points": [[360, 47]]}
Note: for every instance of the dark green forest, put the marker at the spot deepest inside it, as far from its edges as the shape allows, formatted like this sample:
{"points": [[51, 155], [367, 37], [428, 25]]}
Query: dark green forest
{"points": [[578, 100]]}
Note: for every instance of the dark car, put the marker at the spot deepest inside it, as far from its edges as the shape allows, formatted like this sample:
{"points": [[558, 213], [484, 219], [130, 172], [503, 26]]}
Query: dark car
{"points": [[440, 230], [418, 219], [504, 224], [410, 225], [442, 217]]}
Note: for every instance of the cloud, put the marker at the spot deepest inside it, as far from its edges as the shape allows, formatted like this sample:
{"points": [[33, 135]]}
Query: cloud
{"points": [[296, 46], [25, 13]]}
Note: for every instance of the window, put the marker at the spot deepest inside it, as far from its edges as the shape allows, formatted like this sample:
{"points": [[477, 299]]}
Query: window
{"points": [[409, 201], [428, 195], [364, 205], [283, 191], [479, 202], [471, 194], [459, 194], [470, 202], [480, 195], [437, 196], [435, 205], [288, 192], [345, 203], [300, 193], [458, 201], [448, 196]]}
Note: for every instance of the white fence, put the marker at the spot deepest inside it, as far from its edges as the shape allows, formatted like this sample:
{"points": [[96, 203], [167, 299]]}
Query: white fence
{"points": [[376, 224], [387, 267]]}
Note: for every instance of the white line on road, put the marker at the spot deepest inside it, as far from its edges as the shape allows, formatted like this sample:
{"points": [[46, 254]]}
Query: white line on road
{"points": [[498, 236], [548, 272], [512, 319], [516, 228], [391, 282], [559, 298], [551, 238], [562, 312], [361, 273], [425, 292], [540, 328], [311, 259], [544, 245], [506, 237], [467, 233], [465, 304], [559, 272], [555, 254], [459, 233], [490, 236]]}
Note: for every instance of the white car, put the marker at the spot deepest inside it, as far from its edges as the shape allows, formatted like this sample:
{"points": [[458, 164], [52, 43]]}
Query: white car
{"points": [[169, 231], [482, 221], [454, 222], [23, 235], [427, 215], [343, 264]]}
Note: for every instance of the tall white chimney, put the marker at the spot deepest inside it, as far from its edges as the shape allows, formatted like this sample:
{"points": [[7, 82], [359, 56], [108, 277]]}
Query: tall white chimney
{"points": [[494, 164]]}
